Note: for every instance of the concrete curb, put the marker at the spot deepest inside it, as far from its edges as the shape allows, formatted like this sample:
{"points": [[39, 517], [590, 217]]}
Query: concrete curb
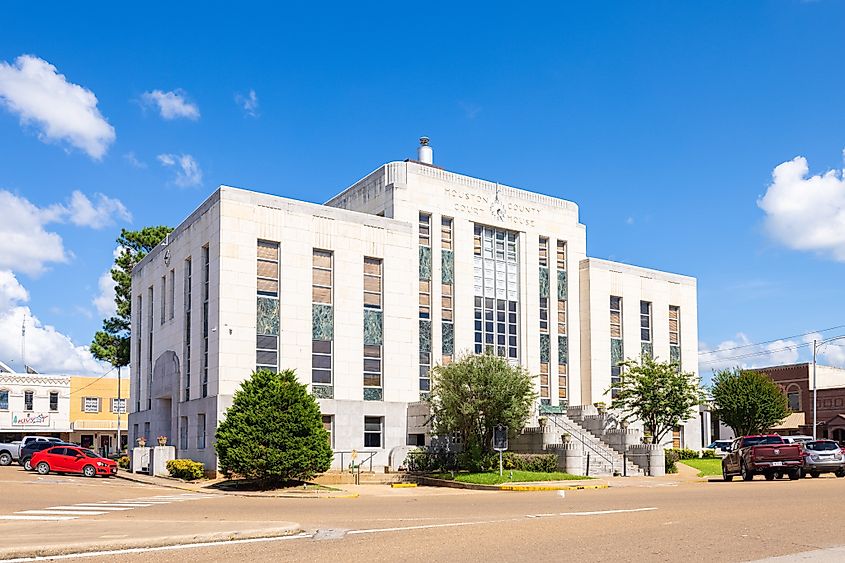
{"points": [[432, 482], [289, 529], [205, 490]]}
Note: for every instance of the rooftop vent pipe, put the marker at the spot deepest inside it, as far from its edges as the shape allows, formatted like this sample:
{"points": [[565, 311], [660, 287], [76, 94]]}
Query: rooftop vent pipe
{"points": [[424, 153]]}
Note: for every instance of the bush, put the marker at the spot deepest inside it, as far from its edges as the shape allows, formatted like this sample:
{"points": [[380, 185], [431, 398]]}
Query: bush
{"points": [[671, 456], [541, 463], [186, 469], [123, 462], [685, 453], [273, 431], [708, 454]]}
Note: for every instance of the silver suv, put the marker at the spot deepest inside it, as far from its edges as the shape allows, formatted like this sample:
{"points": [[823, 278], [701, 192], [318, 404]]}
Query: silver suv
{"points": [[823, 456]]}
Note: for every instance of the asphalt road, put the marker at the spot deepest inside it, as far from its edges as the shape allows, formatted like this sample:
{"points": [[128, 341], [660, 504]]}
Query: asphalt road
{"points": [[642, 519]]}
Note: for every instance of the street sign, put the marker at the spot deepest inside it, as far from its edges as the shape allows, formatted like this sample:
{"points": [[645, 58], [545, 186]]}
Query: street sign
{"points": [[500, 438]]}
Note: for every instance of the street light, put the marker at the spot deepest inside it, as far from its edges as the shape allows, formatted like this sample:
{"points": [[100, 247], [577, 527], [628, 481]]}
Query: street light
{"points": [[816, 346]]}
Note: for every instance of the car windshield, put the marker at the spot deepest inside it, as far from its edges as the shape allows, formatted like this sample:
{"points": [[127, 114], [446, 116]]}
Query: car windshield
{"points": [[822, 446], [762, 440]]}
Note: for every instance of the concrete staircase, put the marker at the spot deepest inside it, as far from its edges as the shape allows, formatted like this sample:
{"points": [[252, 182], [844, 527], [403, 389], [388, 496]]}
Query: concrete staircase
{"points": [[605, 449]]}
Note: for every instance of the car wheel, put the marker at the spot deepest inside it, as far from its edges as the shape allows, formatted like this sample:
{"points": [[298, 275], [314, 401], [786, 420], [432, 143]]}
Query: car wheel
{"points": [[746, 474], [42, 468], [794, 475], [778, 475], [27, 464], [814, 474], [770, 476], [840, 473], [89, 471], [5, 458], [725, 475]]}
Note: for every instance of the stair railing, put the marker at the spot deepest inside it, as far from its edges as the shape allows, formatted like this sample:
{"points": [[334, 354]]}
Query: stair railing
{"points": [[579, 434]]}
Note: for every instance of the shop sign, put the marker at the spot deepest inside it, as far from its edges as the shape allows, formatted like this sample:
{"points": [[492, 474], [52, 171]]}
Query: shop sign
{"points": [[30, 419]]}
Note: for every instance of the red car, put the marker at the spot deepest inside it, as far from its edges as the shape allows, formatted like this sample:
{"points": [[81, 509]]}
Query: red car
{"points": [[71, 459]]}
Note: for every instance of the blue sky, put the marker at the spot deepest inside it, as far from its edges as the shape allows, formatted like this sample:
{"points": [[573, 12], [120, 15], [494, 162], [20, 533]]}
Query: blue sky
{"points": [[664, 121]]}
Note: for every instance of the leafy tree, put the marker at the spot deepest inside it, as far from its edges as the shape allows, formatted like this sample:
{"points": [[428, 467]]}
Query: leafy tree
{"points": [[657, 393], [111, 344], [273, 431], [472, 395], [748, 401]]}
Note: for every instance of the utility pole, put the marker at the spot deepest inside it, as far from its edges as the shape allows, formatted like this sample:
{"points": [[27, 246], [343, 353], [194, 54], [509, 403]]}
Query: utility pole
{"points": [[119, 408], [815, 390], [23, 342]]}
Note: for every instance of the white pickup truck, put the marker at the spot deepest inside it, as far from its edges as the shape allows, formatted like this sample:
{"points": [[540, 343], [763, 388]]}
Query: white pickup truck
{"points": [[11, 451]]}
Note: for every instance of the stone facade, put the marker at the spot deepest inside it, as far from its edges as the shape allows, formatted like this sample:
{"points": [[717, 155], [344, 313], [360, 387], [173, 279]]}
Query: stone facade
{"points": [[413, 266]]}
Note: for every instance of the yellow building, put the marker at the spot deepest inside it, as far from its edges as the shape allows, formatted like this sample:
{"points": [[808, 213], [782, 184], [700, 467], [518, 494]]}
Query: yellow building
{"points": [[95, 411]]}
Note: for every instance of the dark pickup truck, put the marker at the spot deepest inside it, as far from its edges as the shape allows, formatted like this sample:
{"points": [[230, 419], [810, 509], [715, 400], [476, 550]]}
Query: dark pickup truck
{"points": [[768, 455]]}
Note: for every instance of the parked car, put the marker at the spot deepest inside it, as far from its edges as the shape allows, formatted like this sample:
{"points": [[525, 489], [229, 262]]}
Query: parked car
{"points": [[768, 455], [9, 452], [823, 456], [719, 447], [797, 439], [33, 447], [72, 459]]}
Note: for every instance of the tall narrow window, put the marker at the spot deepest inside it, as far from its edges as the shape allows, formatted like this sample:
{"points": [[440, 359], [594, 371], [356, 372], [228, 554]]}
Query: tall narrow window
{"points": [[205, 319], [372, 431], [496, 288], [675, 335], [322, 324], [328, 425], [183, 433], [373, 330], [28, 400], [646, 346], [54, 401], [150, 296], [171, 310], [425, 303], [187, 331], [562, 337], [447, 283], [163, 298], [267, 321], [201, 431], [617, 352], [139, 316], [545, 337], [4, 399]]}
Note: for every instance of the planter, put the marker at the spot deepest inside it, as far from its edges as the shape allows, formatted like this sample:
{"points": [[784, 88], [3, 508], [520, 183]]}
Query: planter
{"points": [[162, 440], [141, 443]]}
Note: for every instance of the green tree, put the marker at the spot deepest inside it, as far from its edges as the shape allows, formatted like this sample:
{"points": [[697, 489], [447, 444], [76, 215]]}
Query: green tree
{"points": [[273, 431], [657, 393], [748, 401], [472, 395], [111, 344]]}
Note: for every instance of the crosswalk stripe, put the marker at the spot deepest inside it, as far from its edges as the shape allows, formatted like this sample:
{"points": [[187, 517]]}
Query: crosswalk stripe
{"points": [[64, 512], [122, 504], [28, 517], [92, 506]]}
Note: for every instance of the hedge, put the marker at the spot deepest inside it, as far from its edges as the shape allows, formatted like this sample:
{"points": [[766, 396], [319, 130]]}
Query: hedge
{"points": [[186, 469]]}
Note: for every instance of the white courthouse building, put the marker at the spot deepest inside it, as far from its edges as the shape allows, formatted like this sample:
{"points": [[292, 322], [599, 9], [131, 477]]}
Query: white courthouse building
{"points": [[408, 268]]}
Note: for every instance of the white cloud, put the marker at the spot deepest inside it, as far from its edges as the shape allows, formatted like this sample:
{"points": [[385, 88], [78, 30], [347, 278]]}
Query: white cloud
{"points": [[188, 172], [82, 212], [104, 300], [62, 111], [248, 103], [133, 160], [48, 350], [172, 105], [27, 246], [740, 352], [806, 212]]}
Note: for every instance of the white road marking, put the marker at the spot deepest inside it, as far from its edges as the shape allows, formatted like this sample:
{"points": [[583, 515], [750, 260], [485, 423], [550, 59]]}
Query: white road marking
{"points": [[148, 549], [80, 512], [50, 518], [94, 506]]}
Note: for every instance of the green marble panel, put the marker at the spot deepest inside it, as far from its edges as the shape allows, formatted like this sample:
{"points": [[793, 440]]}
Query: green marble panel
{"points": [[562, 291], [322, 391], [675, 354], [616, 352], [373, 328], [448, 339], [647, 349], [267, 316], [425, 335], [373, 394], [544, 281], [545, 348], [447, 266], [562, 350], [322, 322], [425, 263]]}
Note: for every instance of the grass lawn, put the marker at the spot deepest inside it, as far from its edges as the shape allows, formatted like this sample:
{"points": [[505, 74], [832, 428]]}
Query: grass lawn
{"points": [[492, 477], [706, 467]]}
